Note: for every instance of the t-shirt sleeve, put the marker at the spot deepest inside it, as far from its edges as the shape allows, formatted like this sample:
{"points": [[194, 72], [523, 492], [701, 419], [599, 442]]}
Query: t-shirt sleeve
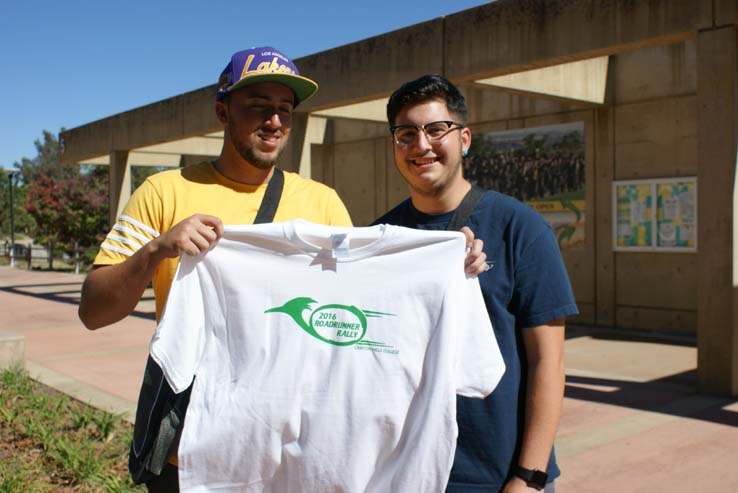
{"points": [[179, 341], [478, 363], [338, 214], [542, 289], [139, 223]]}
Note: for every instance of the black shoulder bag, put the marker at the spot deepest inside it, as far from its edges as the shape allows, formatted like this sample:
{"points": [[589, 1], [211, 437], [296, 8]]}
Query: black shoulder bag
{"points": [[160, 412], [465, 208]]}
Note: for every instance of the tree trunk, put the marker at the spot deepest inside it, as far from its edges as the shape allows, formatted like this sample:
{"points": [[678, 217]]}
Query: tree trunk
{"points": [[51, 254]]}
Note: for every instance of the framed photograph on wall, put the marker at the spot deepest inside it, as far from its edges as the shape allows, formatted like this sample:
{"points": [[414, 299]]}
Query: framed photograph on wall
{"points": [[655, 215], [541, 166]]}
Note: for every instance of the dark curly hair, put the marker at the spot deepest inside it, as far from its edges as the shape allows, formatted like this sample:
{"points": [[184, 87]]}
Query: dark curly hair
{"points": [[427, 88]]}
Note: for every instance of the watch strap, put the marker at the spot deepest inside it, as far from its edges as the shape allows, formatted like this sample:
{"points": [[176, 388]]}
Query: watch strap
{"points": [[533, 477]]}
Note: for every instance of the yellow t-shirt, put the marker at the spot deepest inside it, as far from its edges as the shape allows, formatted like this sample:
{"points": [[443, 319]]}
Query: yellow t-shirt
{"points": [[167, 198]]}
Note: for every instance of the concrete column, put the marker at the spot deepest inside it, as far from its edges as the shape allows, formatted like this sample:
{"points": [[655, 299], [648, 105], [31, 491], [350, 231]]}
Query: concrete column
{"points": [[717, 299], [119, 183], [604, 255], [290, 158], [314, 134], [604, 174]]}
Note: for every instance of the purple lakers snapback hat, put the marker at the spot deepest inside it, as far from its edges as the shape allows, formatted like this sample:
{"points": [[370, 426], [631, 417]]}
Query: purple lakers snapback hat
{"points": [[263, 64]]}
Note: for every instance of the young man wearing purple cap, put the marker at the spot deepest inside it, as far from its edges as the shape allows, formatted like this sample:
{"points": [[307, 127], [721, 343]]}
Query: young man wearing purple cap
{"points": [[505, 441], [183, 211]]}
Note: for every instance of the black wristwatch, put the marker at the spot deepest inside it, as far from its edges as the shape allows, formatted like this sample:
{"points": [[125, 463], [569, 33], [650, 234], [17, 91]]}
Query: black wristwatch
{"points": [[533, 477]]}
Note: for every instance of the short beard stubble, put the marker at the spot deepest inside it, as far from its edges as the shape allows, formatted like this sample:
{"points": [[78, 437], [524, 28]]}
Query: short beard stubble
{"points": [[248, 154]]}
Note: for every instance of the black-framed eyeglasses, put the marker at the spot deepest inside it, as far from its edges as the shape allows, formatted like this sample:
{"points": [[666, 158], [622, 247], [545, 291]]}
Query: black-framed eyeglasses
{"points": [[406, 135]]}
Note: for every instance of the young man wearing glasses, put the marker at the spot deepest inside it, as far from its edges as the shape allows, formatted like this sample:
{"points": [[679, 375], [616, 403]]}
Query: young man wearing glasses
{"points": [[505, 441]]}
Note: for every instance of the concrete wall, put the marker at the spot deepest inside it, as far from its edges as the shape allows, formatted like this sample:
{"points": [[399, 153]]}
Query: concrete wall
{"points": [[356, 159], [647, 129], [671, 110], [655, 135]]}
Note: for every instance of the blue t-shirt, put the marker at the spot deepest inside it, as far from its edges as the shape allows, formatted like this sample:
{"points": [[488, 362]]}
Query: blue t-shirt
{"points": [[526, 286]]}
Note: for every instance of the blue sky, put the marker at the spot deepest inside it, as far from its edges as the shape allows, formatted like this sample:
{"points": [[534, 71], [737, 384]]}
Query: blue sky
{"points": [[67, 63]]}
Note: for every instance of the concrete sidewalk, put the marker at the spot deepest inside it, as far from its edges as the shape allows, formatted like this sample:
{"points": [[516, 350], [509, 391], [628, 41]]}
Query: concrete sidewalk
{"points": [[632, 421], [103, 367]]}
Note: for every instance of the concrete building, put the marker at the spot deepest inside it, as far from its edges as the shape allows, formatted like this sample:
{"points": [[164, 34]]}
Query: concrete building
{"points": [[653, 84]]}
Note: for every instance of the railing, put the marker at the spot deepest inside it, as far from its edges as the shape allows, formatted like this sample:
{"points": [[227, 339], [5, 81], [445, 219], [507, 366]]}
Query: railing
{"points": [[40, 256]]}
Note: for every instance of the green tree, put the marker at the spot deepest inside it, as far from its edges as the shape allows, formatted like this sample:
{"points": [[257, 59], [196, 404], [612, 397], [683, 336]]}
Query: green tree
{"points": [[69, 205], [483, 145], [571, 143], [22, 221], [140, 173], [46, 162], [535, 145]]}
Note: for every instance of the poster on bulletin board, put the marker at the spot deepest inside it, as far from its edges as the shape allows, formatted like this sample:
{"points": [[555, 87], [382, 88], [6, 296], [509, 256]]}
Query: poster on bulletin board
{"points": [[676, 218], [655, 215], [634, 215]]}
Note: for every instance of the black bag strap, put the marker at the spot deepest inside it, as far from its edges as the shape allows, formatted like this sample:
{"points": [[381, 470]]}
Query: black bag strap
{"points": [[269, 203], [465, 208]]}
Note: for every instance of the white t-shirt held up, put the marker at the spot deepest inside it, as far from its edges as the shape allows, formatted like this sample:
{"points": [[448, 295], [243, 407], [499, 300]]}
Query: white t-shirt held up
{"points": [[324, 359]]}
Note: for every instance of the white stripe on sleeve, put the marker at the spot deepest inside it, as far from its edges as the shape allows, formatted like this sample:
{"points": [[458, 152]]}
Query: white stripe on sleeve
{"points": [[129, 231], [128, 219], [114, 248], [124, 240]]}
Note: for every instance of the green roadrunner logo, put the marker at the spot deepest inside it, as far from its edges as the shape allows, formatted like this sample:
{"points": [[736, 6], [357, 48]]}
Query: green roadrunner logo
{"points": [[339, 325]]}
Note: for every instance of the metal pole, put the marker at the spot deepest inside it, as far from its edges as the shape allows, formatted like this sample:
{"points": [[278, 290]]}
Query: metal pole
{"points": [[11, 177]]}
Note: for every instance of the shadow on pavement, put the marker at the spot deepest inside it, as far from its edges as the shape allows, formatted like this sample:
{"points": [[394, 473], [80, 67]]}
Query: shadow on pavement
{"points": [[573, 331], [68, 296], [672, 395]]}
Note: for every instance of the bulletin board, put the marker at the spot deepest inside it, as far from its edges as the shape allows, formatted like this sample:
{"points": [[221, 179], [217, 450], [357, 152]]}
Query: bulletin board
{"points": [[655, 215]]}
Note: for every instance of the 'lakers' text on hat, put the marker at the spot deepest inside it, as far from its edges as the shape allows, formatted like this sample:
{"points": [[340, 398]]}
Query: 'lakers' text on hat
{"points": [[264, 64]]}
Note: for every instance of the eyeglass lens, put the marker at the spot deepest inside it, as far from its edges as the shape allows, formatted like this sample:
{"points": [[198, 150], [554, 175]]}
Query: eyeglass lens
{"points": [[434, 131]]}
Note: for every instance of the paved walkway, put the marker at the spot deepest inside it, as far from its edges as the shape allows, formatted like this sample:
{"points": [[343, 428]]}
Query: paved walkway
{"points": [[631, 422]]}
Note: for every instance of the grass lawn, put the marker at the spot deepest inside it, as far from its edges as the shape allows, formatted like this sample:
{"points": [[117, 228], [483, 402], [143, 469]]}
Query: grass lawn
{"points": [[52, 443]]}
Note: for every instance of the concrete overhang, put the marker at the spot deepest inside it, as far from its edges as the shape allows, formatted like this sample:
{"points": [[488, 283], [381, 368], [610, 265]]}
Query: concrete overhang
{"points": [[375, 111], [168, 153], [511, 36], [174, 119], [582, 81], [486, 42]]}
